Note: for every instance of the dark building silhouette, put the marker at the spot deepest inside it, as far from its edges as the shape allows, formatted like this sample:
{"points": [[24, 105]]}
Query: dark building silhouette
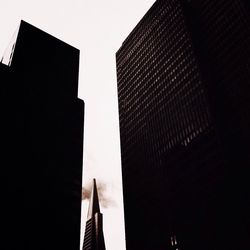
{"points": [[184, 108], [42, 143], [93, 238]]}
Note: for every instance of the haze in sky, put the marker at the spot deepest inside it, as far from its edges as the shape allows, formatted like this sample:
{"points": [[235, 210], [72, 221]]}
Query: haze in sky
{"points": [[97, 28]]}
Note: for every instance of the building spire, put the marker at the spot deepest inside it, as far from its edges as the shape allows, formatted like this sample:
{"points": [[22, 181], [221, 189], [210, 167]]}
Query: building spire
{"points": [[94, 202], [93, 238]]}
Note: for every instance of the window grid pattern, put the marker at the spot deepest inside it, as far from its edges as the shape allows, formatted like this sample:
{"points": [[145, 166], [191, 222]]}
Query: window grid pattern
{"points": [[172, 148], [162, 101], [225, 29]]}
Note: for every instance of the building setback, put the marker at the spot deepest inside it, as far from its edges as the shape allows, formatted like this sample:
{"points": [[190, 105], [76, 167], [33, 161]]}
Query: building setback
{"points": [[93, 237], [184, 108], [42, 143]]}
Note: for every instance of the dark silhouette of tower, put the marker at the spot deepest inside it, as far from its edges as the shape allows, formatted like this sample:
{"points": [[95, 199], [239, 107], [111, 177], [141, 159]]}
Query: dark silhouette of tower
{"points": [[93, 238], [42, 143], [183, 89]]}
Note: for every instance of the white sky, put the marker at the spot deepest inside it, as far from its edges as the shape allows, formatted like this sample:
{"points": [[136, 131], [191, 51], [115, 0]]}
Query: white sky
{"points": [[97, 28]]}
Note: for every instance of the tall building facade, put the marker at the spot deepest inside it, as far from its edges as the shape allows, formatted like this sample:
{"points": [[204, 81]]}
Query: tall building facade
{"points": [[94, 238], [183, 90], [42, 142]]}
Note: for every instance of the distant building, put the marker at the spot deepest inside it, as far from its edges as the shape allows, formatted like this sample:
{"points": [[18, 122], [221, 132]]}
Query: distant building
{"points": [[184, 108], [93, 238], [42, 143]]}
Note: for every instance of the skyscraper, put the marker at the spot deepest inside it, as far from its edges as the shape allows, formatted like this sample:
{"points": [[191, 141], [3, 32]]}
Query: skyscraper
{"points": [[183, 89], [93, 238], [42, 142]]}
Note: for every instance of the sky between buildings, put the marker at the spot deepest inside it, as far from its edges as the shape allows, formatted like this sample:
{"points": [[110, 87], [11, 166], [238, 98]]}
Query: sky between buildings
{"points": [[97, 28]]}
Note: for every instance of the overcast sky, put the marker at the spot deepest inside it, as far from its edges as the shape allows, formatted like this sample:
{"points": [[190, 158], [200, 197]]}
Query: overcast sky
{"points": [[97, 28]]}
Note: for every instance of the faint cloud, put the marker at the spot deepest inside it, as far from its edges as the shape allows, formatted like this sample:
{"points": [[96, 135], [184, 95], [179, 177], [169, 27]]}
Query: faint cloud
{"points": [[104, 194]]}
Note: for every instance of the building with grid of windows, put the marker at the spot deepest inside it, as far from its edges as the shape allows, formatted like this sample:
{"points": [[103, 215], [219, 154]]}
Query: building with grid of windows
{"points": [[42, 143], [183, 89]]}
